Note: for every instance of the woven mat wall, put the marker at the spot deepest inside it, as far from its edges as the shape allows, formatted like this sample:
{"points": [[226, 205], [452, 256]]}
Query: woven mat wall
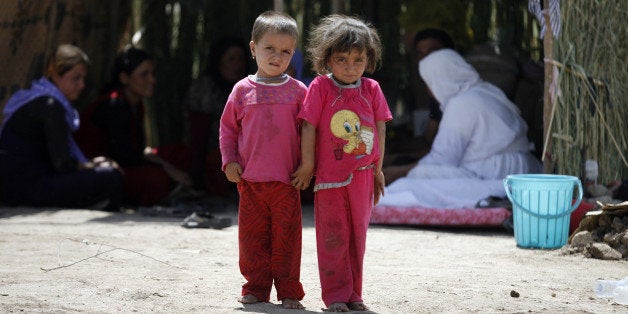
{"points": [[31, 29]]}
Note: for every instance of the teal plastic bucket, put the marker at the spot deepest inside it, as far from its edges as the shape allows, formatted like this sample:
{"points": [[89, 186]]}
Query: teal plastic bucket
{"points": [[542, 207]]}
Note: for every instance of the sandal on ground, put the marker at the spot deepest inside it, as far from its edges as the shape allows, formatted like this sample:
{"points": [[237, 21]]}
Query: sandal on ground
{"points": [[205, 221]]}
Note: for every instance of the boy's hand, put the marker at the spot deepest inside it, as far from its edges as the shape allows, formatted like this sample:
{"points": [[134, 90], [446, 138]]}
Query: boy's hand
{"points": [[301, 177], [379, 182], [233, 170]]}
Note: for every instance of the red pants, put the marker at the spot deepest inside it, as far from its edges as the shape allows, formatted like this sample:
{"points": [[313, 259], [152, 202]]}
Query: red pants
{"points": [[342, 219], [269, 235]]}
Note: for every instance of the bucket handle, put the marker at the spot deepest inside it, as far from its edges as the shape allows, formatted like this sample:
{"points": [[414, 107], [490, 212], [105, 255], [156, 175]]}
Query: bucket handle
{"points": [[573, 207]]}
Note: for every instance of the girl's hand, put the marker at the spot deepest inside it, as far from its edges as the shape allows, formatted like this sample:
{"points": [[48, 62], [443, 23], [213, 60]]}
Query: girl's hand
{"points": [[379, 182], [301, 177], [233, 170]]}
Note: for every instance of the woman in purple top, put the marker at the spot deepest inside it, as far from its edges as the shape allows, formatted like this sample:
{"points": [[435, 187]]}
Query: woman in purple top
{"points": [[40, 164]]}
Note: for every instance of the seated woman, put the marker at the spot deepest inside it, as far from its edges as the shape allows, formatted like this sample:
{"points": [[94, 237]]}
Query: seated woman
{"points": [[40, 164], [481, 137], [114, 127]]}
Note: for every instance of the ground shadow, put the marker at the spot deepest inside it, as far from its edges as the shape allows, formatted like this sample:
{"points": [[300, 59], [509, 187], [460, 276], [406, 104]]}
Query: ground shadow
{"points": [[7, 212], [480, 230], [166, 214], [230, 210], [269, 307]]}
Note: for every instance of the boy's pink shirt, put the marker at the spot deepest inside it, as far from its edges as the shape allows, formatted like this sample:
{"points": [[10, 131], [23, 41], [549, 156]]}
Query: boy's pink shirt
{"points": [[259, 129], [324, 99]]}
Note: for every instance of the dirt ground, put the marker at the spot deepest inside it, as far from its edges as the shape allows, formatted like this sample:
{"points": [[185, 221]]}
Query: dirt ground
{"points": [[128, 262]]}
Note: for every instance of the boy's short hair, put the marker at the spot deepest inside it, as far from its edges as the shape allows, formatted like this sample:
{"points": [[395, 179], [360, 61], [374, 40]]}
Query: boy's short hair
{"points": [[274, 22]]}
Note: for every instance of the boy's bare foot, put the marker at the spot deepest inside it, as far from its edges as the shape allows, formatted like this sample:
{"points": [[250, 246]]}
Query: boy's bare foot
{"points": [[337, 307], [291, 304], [357, 306], [248, 299]]}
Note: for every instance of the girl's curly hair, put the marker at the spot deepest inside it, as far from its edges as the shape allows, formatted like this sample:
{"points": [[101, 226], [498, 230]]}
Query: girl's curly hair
{"points": [[340, 33]]}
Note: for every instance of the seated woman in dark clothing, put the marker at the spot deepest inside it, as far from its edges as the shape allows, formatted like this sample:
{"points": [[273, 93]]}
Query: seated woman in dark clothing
{"points": [[113, 126], [40, 164]]}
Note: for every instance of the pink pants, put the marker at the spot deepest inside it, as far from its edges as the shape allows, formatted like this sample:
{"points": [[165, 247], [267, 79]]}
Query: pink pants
{"points": [[342, 219], [269, 234]]}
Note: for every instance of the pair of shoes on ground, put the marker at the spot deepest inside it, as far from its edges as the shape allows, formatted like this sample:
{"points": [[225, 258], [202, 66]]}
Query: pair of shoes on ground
{"points": [[205, 220]]}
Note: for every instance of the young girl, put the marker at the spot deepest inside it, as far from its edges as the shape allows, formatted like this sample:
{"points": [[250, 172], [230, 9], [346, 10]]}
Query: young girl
{"points": [[343, 138], [259, 142]]}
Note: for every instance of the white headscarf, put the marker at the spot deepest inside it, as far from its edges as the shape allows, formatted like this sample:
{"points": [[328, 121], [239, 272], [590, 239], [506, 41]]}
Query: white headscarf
{"points": [[447, 74]]}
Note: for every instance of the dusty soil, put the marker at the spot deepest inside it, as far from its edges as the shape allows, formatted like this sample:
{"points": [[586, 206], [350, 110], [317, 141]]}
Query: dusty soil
{"points": [[128, 262]]}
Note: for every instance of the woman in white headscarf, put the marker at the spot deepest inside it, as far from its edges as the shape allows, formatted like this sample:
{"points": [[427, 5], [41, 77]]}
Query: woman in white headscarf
{"points": [[481, 134], [481, 139]]}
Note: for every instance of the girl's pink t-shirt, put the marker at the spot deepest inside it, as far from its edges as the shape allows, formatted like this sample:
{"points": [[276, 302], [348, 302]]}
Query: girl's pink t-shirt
{"points": [[345, 118], [259, 129]]}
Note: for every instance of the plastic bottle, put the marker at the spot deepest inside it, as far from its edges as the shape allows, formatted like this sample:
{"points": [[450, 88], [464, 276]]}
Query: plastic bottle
{"points": [[606, 288]]}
